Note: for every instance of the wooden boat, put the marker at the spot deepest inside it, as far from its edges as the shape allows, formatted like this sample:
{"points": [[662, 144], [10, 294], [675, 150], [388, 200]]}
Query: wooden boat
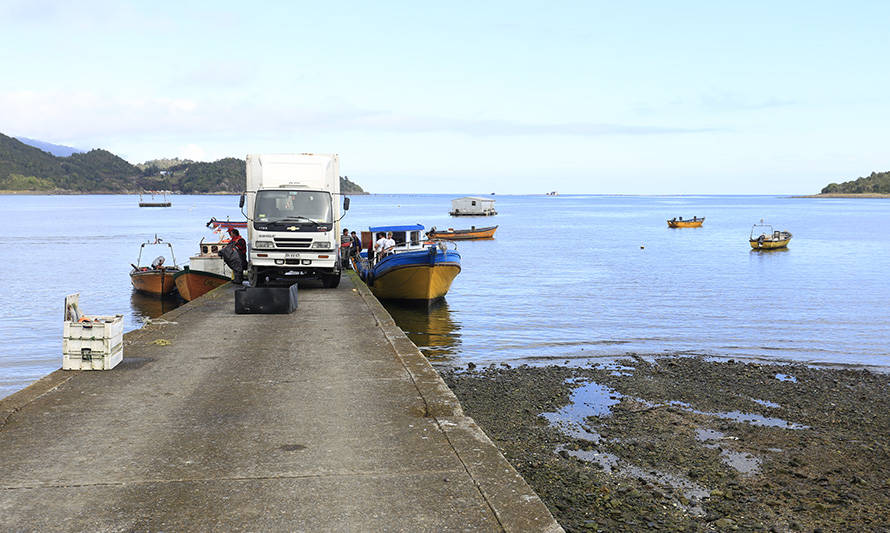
{"points": [[694, 222], [218, 226], [192, 284], [160, 202], [413, 271], [156, 279], [206, 270], [462, 234], [767, 238]]}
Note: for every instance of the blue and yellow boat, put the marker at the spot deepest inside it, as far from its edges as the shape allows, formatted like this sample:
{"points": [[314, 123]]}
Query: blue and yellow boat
{"points": [[413, 270]]}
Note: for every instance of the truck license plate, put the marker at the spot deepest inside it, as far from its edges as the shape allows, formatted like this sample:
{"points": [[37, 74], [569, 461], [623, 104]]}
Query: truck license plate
{"points": [[291, 255]]}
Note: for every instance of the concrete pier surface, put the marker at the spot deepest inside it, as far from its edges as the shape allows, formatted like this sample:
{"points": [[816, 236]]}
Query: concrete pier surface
{"points": [[327, 419]]}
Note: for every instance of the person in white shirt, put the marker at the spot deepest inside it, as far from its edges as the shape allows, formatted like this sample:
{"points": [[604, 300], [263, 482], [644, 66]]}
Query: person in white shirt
{"points": [[384, 246], [378, 249]]}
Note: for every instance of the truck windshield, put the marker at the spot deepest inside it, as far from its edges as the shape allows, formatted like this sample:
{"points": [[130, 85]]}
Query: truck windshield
{"points": [[274, 206]]}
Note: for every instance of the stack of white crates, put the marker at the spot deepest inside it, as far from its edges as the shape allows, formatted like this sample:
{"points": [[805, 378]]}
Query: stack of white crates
{"points": [[91, 343]]}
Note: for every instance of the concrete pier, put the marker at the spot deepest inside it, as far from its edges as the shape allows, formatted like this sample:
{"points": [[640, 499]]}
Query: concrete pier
{"points": [[327, 419]]}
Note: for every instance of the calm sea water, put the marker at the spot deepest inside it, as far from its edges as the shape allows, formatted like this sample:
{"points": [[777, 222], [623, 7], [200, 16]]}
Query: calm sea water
{"points": [[565, 277]]}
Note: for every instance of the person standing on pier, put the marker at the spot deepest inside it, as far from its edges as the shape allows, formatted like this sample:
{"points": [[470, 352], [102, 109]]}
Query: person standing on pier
{"points": [[345, 248], [356, 245], [237, 261]]}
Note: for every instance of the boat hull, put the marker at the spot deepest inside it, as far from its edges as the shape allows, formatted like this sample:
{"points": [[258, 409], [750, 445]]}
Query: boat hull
{"points": [[419, 276], [685, 223], [768, 245], [154, 282], [193, 284], [480, 233], [416, 282]]}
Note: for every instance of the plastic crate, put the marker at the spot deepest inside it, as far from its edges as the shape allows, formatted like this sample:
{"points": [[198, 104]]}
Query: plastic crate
{"points": [[89, 360], [103, 334], [90, 342]]}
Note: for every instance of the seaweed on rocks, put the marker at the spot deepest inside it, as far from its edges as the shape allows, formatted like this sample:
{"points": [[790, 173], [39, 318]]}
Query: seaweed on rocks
{"points": [[691, 444]]}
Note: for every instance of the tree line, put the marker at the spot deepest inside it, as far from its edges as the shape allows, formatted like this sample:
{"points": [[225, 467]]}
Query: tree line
{"points": [[876, 182], [26, 168]]}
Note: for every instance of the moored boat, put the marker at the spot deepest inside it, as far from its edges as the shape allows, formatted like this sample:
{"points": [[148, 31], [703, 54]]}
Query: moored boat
{"points": [[693, 222], [161, 201], [156, 279], [767, 238], [462, 234], [414, 270], [219, 226], [472, 206], [206, 270], [192, 284]]}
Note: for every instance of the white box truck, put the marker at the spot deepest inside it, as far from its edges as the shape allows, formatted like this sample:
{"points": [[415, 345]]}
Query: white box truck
{"points": [[293, 217]]}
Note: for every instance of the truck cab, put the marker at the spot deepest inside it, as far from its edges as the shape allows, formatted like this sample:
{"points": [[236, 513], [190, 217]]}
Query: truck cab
{"points": [[293, 217]]}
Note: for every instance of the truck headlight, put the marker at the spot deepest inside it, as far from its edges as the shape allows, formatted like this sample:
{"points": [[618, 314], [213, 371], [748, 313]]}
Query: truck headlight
{"points": [[262, 245], [322, 244]]}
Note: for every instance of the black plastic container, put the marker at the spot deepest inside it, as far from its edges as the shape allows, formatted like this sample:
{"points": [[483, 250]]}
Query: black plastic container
{"points": [[266, 300]]}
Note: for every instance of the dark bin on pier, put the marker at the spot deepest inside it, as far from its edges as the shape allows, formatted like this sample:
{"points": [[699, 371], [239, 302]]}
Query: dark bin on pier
{"points": [[266, 300]]}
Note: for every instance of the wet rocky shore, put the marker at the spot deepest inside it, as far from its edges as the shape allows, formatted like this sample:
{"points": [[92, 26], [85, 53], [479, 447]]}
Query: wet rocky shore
{"points": [[692, 444]]}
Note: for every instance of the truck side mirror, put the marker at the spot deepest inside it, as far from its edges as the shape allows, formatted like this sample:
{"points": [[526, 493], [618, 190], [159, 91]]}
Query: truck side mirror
{"points": [[346, 204], [241, 202]]}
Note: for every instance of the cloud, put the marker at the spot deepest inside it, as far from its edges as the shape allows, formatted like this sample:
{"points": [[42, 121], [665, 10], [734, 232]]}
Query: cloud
{"points": [[43, 13], [193, 152], [726, 101], [217, 75], [88, 117], [488, 127]]}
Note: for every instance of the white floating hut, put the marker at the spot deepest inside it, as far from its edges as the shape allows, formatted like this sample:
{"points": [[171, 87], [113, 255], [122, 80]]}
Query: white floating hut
{"points": [[472, 206]]}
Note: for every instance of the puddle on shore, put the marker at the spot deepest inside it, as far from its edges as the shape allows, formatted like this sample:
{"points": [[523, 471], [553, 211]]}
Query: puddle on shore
{"points": [[705, 435], [590, 399], [766, 403], [786, 377], [608, 461], [612, 464], [617, 368], [742, 462], [749, 418], [593, 399]]}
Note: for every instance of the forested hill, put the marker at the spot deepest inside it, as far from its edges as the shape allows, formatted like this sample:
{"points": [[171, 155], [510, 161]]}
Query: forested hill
{"points": [[26, 168], [876, 182]]}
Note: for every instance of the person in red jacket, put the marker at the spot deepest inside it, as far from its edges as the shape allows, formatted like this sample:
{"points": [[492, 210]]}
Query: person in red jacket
{"points": [[239, 262]]}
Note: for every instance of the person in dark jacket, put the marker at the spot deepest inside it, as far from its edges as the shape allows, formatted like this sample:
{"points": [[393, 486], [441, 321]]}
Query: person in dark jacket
{"points": [[356, 245], [237, 261]]}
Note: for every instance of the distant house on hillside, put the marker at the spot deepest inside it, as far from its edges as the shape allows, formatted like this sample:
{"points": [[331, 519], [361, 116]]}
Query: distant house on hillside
{"points": [[472, 206]]}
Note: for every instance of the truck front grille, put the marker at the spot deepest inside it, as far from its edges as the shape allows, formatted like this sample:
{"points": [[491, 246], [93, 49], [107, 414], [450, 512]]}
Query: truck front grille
{"points": [[292, 243]]}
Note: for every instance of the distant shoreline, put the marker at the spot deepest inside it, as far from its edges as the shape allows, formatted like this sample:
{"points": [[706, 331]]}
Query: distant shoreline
{"points": [[100, 193], [846, 195], [58, 192]]}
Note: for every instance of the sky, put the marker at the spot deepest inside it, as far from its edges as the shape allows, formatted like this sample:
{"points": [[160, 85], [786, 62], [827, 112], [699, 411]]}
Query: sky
{"points": [[513, 97]]}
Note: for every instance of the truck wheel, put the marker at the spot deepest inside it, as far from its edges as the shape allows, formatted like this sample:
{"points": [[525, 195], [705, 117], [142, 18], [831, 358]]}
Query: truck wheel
{"points": [[254, 277], [330, 281]]}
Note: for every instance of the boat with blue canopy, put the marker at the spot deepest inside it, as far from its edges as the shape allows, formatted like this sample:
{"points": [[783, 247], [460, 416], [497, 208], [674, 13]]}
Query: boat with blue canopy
{"points": [[413, 269]]}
